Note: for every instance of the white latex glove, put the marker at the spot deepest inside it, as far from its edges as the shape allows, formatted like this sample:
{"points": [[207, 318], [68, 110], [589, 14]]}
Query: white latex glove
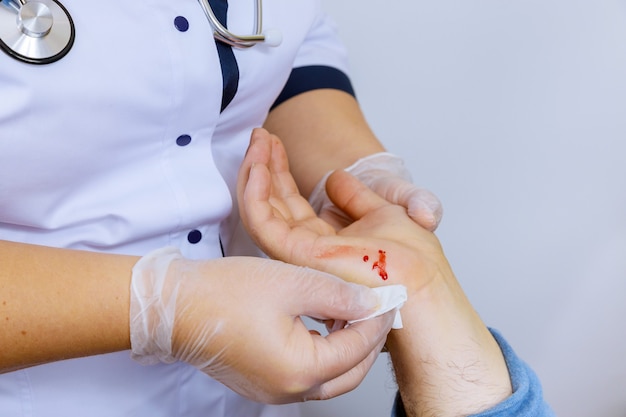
{"points": [[238, 319], [386, 174]]}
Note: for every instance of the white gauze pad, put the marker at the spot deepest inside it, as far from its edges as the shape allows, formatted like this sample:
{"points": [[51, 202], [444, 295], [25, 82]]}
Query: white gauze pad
{"points": [[391, 297]]}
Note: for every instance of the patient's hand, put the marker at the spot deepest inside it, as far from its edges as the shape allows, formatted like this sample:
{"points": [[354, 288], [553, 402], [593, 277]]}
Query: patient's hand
{"points": [[383, 245], [445, 359]]}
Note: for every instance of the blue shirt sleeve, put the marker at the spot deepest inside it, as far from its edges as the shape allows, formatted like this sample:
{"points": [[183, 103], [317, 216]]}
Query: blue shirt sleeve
{"points": [[527, 398]]}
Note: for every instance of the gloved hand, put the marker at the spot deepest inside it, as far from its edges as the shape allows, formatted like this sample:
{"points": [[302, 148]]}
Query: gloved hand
{"points": [[238, 320], [386, 174]]}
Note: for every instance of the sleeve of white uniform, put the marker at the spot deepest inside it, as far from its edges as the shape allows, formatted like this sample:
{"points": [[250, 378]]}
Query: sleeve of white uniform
{"points": [[321, 62]]}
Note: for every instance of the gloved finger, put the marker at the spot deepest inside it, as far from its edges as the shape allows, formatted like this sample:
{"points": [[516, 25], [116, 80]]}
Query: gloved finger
{"points": [[352, 376], [352, 196], [425, 209], [421, 204], [327, 366], [344, 349], [323, 296]]}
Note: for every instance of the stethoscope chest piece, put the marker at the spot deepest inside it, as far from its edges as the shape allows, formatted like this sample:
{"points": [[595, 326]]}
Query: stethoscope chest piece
{"points": [[35, 31]]}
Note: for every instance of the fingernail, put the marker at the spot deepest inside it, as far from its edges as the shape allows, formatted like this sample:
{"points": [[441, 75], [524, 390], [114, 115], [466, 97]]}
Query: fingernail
{"points": [[428, 211], [370, 300]]}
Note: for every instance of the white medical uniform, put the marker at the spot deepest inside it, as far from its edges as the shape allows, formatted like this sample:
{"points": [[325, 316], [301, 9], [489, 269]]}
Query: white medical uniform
{"points": [[121, 147]]}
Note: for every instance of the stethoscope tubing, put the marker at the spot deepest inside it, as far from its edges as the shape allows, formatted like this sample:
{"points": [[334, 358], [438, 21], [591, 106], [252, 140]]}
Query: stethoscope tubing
{"points": [[226, 36]]}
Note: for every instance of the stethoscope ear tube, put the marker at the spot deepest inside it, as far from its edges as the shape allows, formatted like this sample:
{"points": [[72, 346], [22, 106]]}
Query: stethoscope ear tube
{"points": [[37, 31], [222, 34]]}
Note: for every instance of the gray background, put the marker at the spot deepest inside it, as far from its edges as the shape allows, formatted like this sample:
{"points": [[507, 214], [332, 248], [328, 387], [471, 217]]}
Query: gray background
{"points": [[514, 113]]}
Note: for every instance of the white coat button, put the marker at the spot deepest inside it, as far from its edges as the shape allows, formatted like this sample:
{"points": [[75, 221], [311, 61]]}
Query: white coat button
{"points": [[181, 23], [183, 140], [194, 236]]}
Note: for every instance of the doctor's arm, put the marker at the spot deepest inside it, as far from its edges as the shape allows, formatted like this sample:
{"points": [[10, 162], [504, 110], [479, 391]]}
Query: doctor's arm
{"points": [[325, 129], [58, 304]]}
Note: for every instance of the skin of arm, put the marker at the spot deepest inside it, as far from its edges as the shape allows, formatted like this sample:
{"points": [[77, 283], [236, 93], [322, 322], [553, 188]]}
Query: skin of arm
{"points": [[58, 304], [446, 362], [322, 130], [51, 312], [91, 319]]}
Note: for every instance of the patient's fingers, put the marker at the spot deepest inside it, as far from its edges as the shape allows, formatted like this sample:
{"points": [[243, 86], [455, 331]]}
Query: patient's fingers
{"points": [[285, 194], [254, 188], [259, 152]]}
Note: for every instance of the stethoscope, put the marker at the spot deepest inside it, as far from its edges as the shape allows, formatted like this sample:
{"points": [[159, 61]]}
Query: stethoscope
{"points": [[37, 31], [42, 31], [270, 37]]}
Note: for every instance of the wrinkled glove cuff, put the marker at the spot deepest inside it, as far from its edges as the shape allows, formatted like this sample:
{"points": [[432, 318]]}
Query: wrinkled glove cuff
{"points": [[365, 170], [152, 309]]}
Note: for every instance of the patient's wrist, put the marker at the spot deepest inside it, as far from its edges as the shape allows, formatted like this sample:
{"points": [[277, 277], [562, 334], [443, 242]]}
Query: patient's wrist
{"points": [[444, 357]]}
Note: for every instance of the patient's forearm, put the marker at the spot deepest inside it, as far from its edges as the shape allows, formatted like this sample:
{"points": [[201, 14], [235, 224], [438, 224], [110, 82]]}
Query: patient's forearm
{"points": [[445, 359]]}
